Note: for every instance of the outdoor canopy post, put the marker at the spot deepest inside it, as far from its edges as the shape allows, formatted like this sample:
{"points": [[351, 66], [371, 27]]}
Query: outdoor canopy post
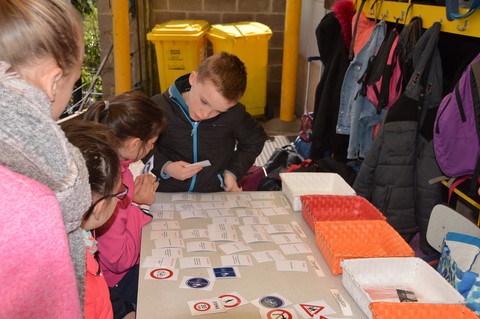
{"points": [[290, 60], [121, 46]]}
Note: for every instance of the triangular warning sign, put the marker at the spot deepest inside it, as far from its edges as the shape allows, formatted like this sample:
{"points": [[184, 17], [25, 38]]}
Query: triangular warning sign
{"points": [[322, 317], [311, 309]]}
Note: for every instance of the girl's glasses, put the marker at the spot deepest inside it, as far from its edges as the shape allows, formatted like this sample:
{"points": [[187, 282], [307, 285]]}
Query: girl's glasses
{"points": [[120, 195]]}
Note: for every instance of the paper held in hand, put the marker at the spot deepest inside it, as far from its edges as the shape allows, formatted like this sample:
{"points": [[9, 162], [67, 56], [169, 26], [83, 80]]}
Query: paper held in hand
{"points": [[205, 163]]}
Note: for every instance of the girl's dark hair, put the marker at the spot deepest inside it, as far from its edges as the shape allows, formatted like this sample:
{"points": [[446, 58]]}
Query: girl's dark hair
{"points": [[96, 143], [130, 114]]}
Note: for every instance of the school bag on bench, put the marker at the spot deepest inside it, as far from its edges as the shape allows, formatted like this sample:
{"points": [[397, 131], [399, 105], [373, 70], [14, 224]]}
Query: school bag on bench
{"points": [[456, 136]]}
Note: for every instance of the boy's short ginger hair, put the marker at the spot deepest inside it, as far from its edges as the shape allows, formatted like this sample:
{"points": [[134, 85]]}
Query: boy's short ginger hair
{"points": [[227, 72]]}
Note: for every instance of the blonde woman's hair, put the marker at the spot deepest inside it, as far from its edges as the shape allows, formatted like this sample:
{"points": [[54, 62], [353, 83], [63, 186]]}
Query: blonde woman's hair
{"points": [[37, 29]]}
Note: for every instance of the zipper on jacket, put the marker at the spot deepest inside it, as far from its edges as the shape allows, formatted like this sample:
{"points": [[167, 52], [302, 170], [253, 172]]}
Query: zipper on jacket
{"points": [[193, 133], [220, 178], [195, 155], [386, 202]]}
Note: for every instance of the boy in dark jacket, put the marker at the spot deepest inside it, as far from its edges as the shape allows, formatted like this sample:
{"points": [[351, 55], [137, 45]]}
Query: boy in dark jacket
{"points": [[206, 122]]}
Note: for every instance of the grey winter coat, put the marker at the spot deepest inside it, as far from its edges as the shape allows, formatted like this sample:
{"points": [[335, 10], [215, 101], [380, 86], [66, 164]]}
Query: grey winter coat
{"points": [[394, 175], [32, 144]]}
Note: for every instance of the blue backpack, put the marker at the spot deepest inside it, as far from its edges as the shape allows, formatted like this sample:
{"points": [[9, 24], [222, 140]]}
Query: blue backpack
{"points": [[456, 136]]}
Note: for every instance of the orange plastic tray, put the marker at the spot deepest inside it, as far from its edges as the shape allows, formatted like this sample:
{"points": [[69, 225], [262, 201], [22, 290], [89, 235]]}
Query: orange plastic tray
{"points": [[337, 207], [396, 310], [338, 240]]}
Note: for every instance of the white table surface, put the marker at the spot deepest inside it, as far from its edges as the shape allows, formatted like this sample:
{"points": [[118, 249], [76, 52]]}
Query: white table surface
{"points": [[165, 299]]}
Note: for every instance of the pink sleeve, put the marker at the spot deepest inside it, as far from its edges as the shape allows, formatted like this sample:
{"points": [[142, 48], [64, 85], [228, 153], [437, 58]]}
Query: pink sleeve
{"points": [[37, 276], [119, 244], [119, 239]]}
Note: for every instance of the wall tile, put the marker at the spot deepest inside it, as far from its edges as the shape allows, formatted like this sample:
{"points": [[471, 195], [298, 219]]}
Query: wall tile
{"points": [[274, 21], [275, 56], [274, 73], [164, 16], [184, 5], [279, 6], [220, 5], [253, 5], [212, 18], [159, 5], [234, 17], [276, 41]]}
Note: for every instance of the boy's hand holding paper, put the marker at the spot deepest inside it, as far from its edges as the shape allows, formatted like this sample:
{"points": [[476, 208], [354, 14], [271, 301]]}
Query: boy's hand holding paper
{"points": [[205, 163], [182, 170]]}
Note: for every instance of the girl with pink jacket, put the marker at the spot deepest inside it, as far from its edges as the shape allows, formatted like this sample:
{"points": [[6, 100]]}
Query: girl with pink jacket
{"points": [[136, 122]]}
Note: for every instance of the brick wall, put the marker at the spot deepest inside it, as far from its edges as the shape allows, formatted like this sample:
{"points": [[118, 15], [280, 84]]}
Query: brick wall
{"points": [[149, 13], [268, 12]]}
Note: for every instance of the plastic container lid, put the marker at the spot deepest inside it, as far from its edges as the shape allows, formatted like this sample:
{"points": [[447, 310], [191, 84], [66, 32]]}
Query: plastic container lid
{"points": [[178, 28], [239, 30]]}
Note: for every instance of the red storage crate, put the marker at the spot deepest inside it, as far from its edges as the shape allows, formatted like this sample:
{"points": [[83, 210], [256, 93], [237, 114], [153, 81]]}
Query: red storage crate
{"points": [[337, 207]]}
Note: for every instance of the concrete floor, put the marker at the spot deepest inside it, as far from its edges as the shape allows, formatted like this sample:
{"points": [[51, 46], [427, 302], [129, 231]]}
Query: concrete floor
{"points": [[274, 126]]}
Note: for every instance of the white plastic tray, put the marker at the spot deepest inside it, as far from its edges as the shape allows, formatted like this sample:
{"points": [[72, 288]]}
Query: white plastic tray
{"points": [[409, 273], [295, 185]]}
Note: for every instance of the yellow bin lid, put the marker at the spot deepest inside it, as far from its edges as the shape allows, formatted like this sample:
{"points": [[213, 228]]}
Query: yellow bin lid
{"points": [[178, 28], [239, 30]]}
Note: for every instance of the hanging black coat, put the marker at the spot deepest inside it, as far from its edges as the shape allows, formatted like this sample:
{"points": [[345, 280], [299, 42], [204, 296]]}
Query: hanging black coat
{"points": [[333, 38], [395, 173]]}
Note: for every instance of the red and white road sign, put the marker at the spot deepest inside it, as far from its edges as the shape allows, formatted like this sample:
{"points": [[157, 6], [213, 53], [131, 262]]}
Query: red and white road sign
{"points": [[311, 309], [230, 301], [161, 273], [279, 314], [201, 306]]}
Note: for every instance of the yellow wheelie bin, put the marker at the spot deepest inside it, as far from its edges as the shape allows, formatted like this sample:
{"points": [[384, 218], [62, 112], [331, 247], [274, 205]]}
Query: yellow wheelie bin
{"points": [[180, 46], [248, 41]]}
